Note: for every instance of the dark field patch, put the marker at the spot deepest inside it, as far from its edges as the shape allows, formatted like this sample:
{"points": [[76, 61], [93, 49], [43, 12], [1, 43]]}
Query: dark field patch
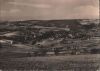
{"points": [[21, 61]]}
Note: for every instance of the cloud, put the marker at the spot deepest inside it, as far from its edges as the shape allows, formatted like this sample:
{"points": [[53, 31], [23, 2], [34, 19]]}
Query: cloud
{"points": [[31, 5], [42, 5], [10, 11], [14, 11], [86, 11]]}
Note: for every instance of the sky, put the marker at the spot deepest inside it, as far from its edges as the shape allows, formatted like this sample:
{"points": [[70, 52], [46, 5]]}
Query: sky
{"points": [[48, 9]]}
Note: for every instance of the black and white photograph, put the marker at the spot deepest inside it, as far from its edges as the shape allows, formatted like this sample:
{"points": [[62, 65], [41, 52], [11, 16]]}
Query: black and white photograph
{"points": [[49, 35]]}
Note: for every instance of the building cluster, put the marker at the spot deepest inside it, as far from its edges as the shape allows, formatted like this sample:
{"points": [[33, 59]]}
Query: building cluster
{"points": [[57, 35]]}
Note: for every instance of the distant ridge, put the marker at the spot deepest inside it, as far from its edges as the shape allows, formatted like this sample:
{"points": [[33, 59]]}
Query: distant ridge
{"points": [[48, 20]]}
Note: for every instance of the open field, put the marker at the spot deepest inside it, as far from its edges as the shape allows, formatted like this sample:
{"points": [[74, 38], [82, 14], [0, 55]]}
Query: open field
{"points": [[22, 61]]}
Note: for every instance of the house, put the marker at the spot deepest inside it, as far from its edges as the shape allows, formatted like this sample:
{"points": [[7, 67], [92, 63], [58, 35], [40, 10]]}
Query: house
{"points": [[6, 43]]}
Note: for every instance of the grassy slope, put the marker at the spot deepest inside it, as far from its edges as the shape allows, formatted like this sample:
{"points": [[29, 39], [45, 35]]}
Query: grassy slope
{"points": [[12, 60]]}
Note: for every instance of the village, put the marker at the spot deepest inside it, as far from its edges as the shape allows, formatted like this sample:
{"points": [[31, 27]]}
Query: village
{"points": [[75, 37]]}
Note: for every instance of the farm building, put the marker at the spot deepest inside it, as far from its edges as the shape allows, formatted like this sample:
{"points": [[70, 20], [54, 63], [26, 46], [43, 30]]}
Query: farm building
{"points": [[6, 43]]}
